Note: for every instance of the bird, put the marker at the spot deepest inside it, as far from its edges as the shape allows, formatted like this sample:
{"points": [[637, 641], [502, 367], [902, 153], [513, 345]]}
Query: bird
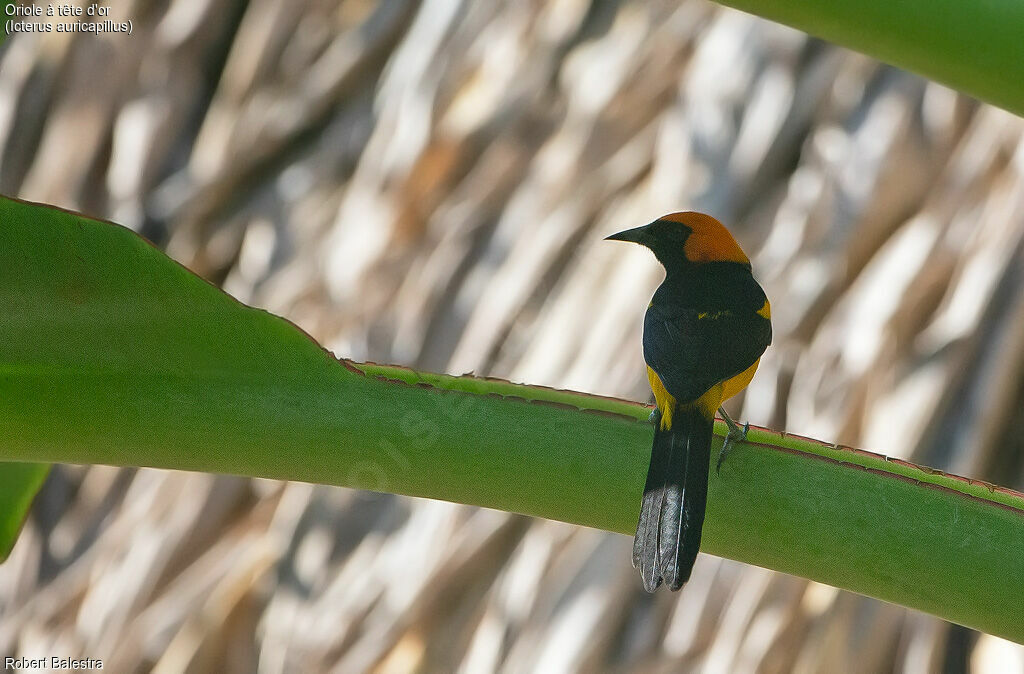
{"points": [[704, 333]]}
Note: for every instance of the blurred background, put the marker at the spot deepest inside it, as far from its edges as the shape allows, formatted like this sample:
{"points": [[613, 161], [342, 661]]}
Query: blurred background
{"points": [[428, 183]]}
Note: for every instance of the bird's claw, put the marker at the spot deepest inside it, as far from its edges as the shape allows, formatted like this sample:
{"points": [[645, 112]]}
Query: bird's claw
{"points": [[735, 435]]}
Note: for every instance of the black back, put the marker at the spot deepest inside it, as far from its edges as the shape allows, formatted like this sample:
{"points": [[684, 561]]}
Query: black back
{"points": [[703, 328]]}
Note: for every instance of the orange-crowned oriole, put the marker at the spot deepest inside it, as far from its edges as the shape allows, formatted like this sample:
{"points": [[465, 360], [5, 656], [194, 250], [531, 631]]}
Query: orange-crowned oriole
{"points": [[704, 333]]}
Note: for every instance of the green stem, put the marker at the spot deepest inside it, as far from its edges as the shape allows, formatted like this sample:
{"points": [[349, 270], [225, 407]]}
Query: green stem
{"points": [[113, 354]]}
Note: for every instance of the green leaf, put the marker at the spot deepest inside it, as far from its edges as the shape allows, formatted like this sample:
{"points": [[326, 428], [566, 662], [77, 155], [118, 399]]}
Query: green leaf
{"points": [[3, 32], [19, 483], [114, 354], [975, 47]]}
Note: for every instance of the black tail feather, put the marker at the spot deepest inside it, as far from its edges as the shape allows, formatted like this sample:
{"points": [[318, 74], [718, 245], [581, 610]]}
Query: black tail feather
{"points": [[645, 544], [672, 512]]}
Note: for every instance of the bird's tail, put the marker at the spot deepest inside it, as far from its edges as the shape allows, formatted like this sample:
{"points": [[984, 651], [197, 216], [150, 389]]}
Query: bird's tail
{"points": [[672, 512]]}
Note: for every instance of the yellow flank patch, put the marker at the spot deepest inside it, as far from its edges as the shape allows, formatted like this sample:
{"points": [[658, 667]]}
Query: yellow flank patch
{"points": [[709, 403], [709, 240], [666, 403], [765, 310], [734, 385]]}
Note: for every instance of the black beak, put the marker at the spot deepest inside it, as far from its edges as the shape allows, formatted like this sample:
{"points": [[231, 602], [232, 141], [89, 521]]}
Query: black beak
{"points": [[635, 235]]}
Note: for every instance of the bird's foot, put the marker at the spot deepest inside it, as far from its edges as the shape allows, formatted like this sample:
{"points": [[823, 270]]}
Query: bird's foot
{"points": [[736, 434]]}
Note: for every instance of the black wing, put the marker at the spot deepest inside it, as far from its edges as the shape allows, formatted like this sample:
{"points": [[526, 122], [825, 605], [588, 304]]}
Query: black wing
{"points": [[697, 335]]}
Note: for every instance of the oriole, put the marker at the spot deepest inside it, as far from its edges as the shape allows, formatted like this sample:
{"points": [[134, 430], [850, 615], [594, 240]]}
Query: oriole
{"points": [[704, 333]]}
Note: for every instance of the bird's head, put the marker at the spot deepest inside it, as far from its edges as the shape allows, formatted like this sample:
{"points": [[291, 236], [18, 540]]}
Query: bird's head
{"points": [[684, 237]]}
